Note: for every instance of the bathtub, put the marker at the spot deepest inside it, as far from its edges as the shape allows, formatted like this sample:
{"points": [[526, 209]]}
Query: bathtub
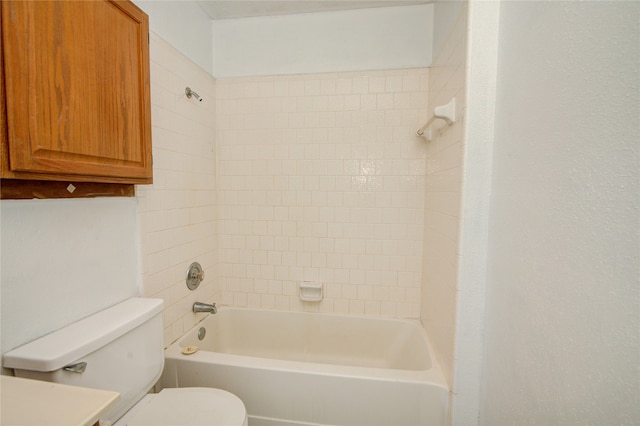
{"points": [[293, 368]]}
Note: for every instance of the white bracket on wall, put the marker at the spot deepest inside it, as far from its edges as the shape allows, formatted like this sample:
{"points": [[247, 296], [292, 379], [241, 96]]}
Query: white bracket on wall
{"points": [[445, 112], [310, 291]]}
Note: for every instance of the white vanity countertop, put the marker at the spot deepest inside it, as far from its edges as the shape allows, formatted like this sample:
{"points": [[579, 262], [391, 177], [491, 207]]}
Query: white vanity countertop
{"points": [[35, 402]]}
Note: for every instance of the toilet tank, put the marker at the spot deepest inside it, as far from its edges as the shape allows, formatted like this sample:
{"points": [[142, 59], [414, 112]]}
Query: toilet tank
{"points": [[122, 347]]}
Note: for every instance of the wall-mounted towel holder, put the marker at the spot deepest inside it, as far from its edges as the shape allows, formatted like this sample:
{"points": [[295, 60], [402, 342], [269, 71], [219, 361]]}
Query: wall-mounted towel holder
{"points": [[445, 112]]}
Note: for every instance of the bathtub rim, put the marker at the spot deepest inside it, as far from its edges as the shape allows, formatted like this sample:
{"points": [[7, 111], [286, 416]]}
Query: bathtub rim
{"points": [[433, 375]]}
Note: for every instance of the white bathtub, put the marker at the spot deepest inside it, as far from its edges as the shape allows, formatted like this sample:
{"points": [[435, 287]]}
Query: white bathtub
{"points": [[306, 369]]}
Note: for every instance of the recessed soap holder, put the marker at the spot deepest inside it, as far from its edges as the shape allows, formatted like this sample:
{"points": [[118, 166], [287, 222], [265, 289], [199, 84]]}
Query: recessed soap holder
{"points": [[310, 291]]}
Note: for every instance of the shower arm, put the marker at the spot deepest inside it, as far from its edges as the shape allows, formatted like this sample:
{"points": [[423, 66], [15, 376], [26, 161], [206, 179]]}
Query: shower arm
{"points": [[190, 93]]}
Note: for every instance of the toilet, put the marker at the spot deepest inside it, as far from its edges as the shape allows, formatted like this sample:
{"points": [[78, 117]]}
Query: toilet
{"points": [[121, 349]]}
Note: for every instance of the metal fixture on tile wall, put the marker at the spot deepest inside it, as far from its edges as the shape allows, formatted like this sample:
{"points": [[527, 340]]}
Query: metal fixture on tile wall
{"points": [[204, 307], [201, 333], [190, 93], [445, 112], [195, 275]]}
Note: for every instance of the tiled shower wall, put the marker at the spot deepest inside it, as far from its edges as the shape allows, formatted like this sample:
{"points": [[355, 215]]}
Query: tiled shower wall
{"points": [[321, 178], [443, 197], [177, 214]]}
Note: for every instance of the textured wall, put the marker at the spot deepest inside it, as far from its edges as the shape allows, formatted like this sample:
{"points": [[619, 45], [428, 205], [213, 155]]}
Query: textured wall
{"points": [[321, 178], [563, 320], [177, 214], [482, 61]]}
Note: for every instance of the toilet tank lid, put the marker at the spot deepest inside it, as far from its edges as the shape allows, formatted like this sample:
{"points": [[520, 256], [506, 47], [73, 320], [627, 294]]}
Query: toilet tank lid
{"points": [[64, 346]]}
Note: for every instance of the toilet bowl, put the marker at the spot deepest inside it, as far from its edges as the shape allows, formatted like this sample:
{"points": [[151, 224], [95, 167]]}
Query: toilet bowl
{"points": [[188, 407], [121, 349]]}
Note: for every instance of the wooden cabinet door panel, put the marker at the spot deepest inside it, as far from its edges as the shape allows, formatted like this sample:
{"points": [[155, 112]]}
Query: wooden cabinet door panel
{"points": [[77, 88]]}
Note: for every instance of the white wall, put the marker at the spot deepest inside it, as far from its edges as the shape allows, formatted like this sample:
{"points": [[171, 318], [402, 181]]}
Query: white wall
{"points": [[321, 178], [481, 75], [444, 161], [63, 260], [177, 214], [563, 320], [445, 14], [353, 40], [184, 25]]}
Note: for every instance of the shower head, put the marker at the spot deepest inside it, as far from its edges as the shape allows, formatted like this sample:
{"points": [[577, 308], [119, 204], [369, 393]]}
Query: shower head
{"points": [[190, 93]]}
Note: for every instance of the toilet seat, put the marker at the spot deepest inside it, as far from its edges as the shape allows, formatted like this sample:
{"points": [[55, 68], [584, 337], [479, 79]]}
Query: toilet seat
{"points": [[191, 407]]}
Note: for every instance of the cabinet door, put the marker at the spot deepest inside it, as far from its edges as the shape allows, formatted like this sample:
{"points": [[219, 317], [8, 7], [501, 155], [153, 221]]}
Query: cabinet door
{"points": [[77, 90]]}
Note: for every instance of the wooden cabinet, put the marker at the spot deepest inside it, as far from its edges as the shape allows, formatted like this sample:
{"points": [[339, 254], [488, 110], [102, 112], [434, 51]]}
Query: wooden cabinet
{"points": [[76, 92]]}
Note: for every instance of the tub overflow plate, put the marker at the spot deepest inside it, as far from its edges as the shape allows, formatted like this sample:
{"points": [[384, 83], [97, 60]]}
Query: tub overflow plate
{"points": [[201, 333]]}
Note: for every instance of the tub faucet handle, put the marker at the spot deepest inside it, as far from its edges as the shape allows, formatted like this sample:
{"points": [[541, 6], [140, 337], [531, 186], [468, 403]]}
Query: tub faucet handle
{"points": [[195, 275]]}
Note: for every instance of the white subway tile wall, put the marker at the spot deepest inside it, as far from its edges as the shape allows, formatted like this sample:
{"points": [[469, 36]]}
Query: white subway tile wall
{"points": [[443, 197], [177, 214], [322, 178]]}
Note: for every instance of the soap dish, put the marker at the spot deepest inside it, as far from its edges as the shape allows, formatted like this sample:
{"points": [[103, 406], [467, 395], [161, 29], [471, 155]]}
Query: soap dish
{"points": [[310, 291]]}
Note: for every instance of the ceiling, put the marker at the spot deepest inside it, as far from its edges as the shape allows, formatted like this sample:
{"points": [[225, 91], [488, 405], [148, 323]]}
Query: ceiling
{"points": [[230, 9]]}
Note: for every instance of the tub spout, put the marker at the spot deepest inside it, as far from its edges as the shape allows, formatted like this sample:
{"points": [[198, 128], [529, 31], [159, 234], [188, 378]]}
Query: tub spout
{"points": [[204, 307]]}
